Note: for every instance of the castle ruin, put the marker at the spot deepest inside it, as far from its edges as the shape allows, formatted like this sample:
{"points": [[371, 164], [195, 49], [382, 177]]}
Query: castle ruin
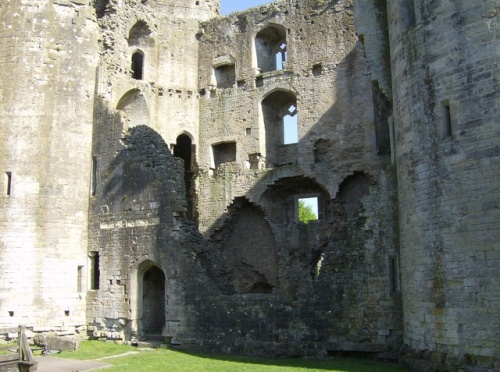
{"points": [[154, 155]]}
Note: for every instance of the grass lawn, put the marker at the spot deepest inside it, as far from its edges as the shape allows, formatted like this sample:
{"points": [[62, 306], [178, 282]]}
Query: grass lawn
{"points": [[176, 361]]}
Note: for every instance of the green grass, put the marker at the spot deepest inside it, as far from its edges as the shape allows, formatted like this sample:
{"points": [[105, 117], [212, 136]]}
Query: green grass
{"points": [[176, 361]]}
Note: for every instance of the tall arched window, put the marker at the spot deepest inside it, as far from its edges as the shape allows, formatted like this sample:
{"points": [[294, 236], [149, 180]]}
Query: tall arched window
{"points": [[271, 48], [279, 114], [137, 65]]}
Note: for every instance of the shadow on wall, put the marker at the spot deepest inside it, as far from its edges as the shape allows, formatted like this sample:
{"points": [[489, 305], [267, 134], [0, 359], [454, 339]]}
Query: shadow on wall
{"points": [[286, 287]]}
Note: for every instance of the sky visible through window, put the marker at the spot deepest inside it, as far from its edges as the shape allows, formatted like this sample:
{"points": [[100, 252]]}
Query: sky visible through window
{"points": [[230, 6]]}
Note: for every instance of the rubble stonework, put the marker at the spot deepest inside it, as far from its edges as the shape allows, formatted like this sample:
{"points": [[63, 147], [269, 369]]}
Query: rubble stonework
{"points": [[154, 154]]}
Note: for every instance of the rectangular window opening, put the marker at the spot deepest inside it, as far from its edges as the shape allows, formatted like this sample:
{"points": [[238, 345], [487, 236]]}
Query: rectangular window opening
{"points": [[8, 183], [307, 209], [225, 76], [94, 270], [224, 153]]}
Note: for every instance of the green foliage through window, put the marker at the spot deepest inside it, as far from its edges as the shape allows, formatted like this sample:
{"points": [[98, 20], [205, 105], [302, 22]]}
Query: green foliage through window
{"points": [[306, 212]]}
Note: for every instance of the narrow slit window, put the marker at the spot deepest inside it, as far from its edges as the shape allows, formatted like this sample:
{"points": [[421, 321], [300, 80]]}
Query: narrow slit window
{"points": [[447, 125], [307, 209], [393, 275], [137, 65], [94, 270], [79, 282], [93, 186], [8, 183]]}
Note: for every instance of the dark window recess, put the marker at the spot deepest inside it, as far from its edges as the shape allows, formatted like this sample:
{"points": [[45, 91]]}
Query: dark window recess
{"points": [[447, 126], [137, 65], [94, 270], [93, 185], [225, 76], [224, 153], [383, 110], [393, 276], [317, 69], [185, 150], [8, 181]]}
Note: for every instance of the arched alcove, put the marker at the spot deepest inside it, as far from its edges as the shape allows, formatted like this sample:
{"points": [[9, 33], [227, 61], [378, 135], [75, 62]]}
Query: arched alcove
{"points": [[134, 109], [140, 35], [249, 248]]}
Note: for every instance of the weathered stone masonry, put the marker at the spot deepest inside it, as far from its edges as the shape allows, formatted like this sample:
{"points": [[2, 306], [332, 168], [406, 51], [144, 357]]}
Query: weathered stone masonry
{"points": [[154, 154]]}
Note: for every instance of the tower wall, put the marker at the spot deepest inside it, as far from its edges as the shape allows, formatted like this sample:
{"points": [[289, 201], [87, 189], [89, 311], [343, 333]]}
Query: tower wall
{"points": [[445, 69], [49, 59], [138, 211]]}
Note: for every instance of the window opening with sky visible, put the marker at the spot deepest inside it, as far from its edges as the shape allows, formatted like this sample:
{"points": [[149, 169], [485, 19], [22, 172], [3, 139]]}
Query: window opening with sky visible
{"points": [[308, 209]]}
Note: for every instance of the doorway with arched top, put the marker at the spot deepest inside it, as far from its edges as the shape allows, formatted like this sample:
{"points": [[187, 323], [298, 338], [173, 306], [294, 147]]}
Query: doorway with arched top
{"points": [[153, 302]]}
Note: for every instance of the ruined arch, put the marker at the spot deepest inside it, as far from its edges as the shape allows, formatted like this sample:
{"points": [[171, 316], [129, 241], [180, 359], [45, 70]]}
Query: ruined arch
{"points": [[140, 35], [270, 48], [247, 245], [134, 109]]}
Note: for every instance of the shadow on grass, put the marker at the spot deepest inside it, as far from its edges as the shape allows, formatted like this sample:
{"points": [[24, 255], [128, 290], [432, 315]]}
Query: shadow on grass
{"points": [[339, 364]]}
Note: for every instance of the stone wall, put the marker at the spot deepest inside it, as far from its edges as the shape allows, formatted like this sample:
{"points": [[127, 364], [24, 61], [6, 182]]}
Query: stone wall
{"points": [[287, 287], [446, 99], [49, 58]]}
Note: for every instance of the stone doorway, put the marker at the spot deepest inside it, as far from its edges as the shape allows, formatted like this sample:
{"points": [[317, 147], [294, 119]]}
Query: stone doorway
{"points": [[153, 301]]}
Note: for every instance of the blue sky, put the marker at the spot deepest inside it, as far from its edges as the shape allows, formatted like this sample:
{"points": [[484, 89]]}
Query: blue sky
{"points": [[229, 6]]}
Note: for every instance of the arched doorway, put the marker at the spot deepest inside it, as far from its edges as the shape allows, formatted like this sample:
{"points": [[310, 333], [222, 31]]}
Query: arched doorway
{"points": [[153, 301]]}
